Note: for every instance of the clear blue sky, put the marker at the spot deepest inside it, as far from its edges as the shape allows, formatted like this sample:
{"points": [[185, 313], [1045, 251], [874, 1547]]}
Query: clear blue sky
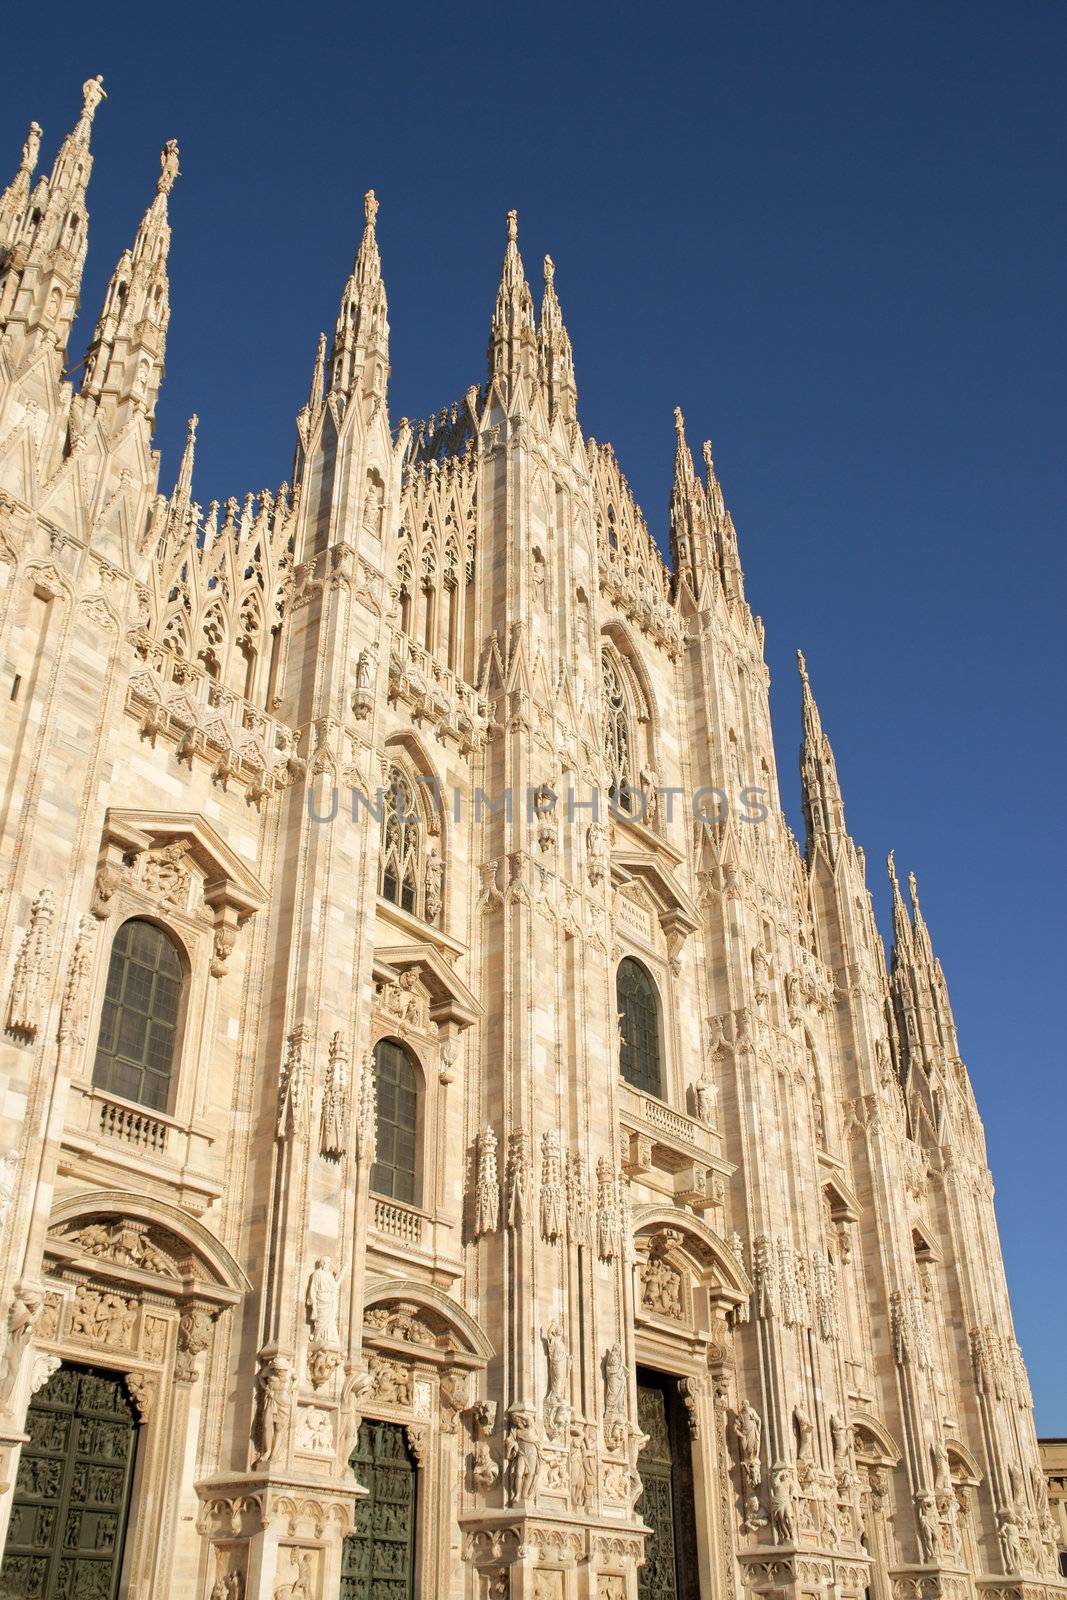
{"points": [[834, 234]]}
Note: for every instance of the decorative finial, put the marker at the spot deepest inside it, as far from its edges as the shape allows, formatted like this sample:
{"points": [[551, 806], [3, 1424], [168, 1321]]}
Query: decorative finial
{"points": [[194, 423], [92, 94], [168, 167], [322, 349], [550, 270], [513, 226], [803, 666], [370, 208]]}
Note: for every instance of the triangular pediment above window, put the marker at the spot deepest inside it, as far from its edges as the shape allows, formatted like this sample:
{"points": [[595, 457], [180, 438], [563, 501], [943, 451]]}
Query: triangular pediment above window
{"points": [[179, 840], [448, 997]]}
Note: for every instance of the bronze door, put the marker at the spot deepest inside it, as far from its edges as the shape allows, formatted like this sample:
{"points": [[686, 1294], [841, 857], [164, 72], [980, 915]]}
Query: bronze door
{"points": [[72, 1492], [378, 1560], [665, 1465]]}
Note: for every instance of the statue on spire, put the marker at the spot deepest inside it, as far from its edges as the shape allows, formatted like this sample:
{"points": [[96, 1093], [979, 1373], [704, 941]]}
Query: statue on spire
{"points": [[513, 226], [370, 208], [168, 167], [92, 94]]}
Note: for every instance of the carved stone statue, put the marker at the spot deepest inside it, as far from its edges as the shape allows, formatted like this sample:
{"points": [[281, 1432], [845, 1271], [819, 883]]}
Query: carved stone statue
{"points": [[840, 1440], [648, 779], [433, 878], [522, 1456], [942, 1467], [927, 1527], [706, 1096], [596, 851], [273, 1403], [783, 1517], [559, 1364], [322, 1301], [748, 1427], [1010, 1544], [803, 1430], [21, 1320]]}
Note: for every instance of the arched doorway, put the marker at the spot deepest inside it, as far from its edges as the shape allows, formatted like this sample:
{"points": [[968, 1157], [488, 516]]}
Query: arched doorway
{"points": [[378, 1560], [72, 1493]]}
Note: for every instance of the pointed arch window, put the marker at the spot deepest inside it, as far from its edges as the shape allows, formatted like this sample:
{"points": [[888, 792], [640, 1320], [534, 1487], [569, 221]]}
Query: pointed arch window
{"points": [[138, 1038], [395, 1169], [401, 874], [618, 742], [637, 1003]]}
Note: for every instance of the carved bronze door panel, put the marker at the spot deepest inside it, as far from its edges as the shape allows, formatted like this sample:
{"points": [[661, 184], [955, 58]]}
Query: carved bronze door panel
{"points": [[665, 1466], [72, 1493], [378, 1560]]}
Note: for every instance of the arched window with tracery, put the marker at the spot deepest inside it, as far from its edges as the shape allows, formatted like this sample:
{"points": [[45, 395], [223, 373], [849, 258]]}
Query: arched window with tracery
{"points": [[618, 740], [138, 1038], [637, 1003], [402, 834], [395, 1170]]}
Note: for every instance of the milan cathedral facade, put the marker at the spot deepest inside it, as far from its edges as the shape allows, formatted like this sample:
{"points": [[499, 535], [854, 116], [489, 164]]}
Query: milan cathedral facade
{"points": [[454, 1142]]}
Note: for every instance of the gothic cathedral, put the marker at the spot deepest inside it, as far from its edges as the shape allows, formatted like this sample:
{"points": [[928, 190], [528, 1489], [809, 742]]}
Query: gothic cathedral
{"points": [[455, 1144]]}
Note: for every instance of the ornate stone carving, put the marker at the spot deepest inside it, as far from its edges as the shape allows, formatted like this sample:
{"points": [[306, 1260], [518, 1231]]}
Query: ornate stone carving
{"points": [[661, 1283], [484, 1470], [143, 1389], [74, 1009], [401, 1320], [391, 1382], [10, 1163], [690, 1390], [28, 994], [294, 1095], [487, 1187], [102, 1317], [194, 1336], [577, 1188], [607, 1211], [911, 1332], [552, 1195], [357, 1385], [127, 1243], [405, 1001], [333, 1115], [367, 1115], [44, 1365], [314, 1431]]}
